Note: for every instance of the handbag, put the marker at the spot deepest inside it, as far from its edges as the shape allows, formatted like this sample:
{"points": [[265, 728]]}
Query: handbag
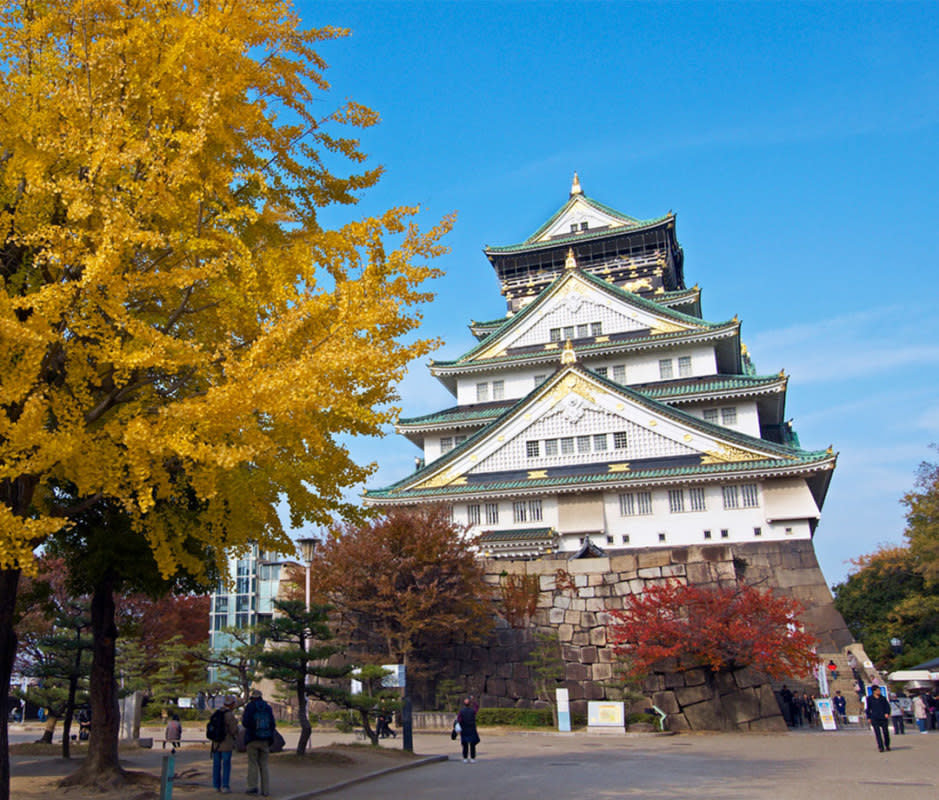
{"points": [[456, 729]]}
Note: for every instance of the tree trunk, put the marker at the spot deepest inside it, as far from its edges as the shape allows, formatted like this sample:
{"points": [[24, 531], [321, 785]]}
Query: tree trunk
{"points": [[9, 583], [101, 768], [48, 729], [69, 712], [302, 715]]}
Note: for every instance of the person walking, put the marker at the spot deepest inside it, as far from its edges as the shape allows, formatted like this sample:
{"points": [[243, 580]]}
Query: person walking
{"points": [[841, 707], [878, 712], [258, 721], [469, 737], [223, 724], [919, 712], [174, 732], [896, 716]]}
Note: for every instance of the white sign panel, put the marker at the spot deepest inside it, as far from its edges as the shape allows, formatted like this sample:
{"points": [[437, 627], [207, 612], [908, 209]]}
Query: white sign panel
{"points": [[605, 714]]}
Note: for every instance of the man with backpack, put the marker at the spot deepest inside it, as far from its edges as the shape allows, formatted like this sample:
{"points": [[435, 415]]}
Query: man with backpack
{"points": [[221, 731], [258, 721]]}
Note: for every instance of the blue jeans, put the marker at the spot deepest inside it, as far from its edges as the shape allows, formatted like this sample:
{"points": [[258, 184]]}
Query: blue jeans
{"points": [[221, 769]]}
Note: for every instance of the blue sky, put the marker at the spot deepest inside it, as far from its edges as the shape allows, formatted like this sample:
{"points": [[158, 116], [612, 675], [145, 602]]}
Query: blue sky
{"points": [[797, 143]]}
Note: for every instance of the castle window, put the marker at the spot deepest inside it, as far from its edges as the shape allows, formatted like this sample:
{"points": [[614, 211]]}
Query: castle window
{"points": [[555, 334], [731, 497], [498, 390], [698, 501], [710, 415], [729, 416], [661, 537], [550, 447], [724, 533], [596, 328], [609, 540], [619, 440], [584, 225], [619, 373], [482, 392], [534, 510], [707, 534], [635, 504], [599, 442], [492, 513], [757, 531], [676, 500], [665, 368], [582, 331], [569, 332], [472, 514], [458, 440], [601, 371], [532, 449], [573, 227], [446, 444], [540, 379], [684, 366], [583, 444], [749, 496], [567, 446], [625, 538], [520, 511]]}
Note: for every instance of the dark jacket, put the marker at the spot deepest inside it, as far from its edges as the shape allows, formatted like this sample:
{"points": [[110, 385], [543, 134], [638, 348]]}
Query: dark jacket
{"points": [[878, 709], [467, 720], [247, 719]]}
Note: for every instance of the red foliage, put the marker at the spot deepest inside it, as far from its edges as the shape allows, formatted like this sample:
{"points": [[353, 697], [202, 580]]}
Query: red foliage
{"points": [[722, 629]]}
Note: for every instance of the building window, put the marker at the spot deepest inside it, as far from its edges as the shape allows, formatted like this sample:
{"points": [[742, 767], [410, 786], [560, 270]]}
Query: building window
{"points": [[676, 500], [788, 531], [757, 531], [492, 513], [531, 449], [599, 442], [619, 373], [482, 392], [596, 328], [749, 496], [446, 444], [601, 371], [519, 511], [583, 444], [582, 331], [619, 440], [724, 533], [540, 379], [661, 537], [555, 334], [698, 502], [710, 415], [731, 497], [635, 504], [684, 366], [567, 446], [534, 510], [550, 447], [498, 390], [568, 331], [472, 514], [573, 227], [609, 540], [458, 440], [707, 534], [625, 538], [665, 368], [729, 416], [584, 225]]}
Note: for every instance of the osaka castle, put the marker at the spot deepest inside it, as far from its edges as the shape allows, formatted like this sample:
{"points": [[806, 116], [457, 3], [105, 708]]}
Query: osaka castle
{"points": [[604, 412]]}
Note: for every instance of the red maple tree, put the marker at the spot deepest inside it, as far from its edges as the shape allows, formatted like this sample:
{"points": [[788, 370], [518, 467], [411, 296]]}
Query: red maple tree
{"points": [[721, 628]]}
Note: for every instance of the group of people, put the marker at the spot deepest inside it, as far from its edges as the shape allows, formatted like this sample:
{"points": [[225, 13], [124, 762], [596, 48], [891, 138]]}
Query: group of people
{"points": [[798, 709]]}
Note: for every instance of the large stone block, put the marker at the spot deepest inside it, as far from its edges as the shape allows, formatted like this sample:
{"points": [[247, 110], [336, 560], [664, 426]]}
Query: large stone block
{"points": [[588, 591], [674, 571], [495, 687], [666, 702], [623, 563], [741, 706], [580, 638], [677, 722], [562, 601], [575, 672], [575, 690], [588, 655], [598, 636], [596, 580], [768, 724], [578, 605], [654, 558], [705, 716], [556, 616], [602, 671], [593, 691], [698, 572], [595, 604], [582, 566], [689, 695], [547, 583], [650, 572]]}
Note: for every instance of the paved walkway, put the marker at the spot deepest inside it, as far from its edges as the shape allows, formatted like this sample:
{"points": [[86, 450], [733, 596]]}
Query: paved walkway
{"points": [[542, 766]]}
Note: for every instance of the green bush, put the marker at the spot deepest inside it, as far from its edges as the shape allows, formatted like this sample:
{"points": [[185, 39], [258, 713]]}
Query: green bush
{"points": [[518, 717], [632, 719]]}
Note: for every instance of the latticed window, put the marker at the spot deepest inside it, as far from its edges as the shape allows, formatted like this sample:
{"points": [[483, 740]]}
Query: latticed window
{"points": [[729, 416], [697, 498], [599, 442], [492, 513], [619, 373], [534, 510], [582, 331], [458, 440], [643, 502], [583, 444], [568, 331], [601, 371], [619, 440], [676, 500], [531, 449], [635, 504], [567, 445], [482, 392], [749, 497], [665, 368], [498, 390], [596, 328], [627, 505], [731, 497], [540, 379], [684, 366], [472, 514], [710, 415], [520, 511], [550, 447], [446, 444], [555, 334]]}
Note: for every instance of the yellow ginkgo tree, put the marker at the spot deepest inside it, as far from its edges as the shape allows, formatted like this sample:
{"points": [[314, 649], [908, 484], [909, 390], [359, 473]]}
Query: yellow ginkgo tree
{"points": [[177, 325]]}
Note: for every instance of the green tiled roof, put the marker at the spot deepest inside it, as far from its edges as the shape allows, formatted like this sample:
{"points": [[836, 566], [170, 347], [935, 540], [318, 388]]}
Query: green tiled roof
{"points": [[629, 297], [788, 456], [522, 534], [530, 243], [458, 414]]}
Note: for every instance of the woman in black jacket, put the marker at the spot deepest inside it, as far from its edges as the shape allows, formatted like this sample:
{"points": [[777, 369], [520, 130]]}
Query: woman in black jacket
{"points": [[469, 737]]}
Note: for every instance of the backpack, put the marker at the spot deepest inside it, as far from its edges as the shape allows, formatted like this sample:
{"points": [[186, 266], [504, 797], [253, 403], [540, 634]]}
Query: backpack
{"points": [[215, 729], [263, 722]]}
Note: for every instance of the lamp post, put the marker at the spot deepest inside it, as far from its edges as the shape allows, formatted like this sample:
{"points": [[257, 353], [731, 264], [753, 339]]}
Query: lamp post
{"points": [[896, 646], [307, 548]]}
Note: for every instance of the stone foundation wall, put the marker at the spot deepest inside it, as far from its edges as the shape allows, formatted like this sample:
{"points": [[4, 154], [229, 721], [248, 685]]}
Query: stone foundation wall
{"points": [[497, 673]]}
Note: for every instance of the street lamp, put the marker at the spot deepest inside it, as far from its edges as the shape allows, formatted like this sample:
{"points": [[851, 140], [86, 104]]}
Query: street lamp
{"points": [[307, 548], [896, 645]]}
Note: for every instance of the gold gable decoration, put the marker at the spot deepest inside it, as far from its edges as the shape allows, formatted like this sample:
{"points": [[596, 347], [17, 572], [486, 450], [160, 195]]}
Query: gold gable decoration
{"points": [[570, 262], [725, 455], [667, 327], [568, 356], [447, 478]]}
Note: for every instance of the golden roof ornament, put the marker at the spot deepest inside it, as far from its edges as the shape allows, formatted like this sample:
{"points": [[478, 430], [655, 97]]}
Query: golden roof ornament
{"points": [[570, 262], [568, 356], [575, 186]]}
